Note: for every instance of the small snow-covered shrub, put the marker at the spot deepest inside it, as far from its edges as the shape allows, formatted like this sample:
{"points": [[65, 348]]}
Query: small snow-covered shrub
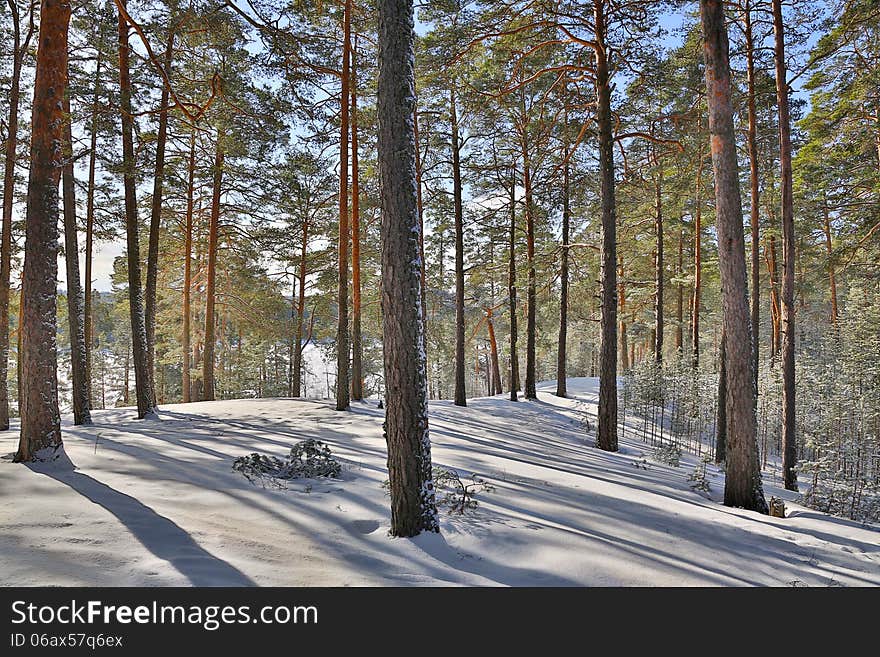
{"points": [[451, 490], [308, 459], [699, 480], [668, 453], [312, 458], [454, 493]]}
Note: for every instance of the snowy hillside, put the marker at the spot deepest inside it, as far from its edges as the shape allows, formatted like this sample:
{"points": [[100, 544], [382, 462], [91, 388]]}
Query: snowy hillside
{"points": [[157, 503]]}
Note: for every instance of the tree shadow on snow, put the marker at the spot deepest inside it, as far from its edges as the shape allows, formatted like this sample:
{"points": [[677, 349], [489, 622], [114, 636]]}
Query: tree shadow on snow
{"points": [[157, 533]]}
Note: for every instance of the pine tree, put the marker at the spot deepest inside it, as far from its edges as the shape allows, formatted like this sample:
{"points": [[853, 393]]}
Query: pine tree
{"points": [[413, 508], [743, 481], [40, 420]]}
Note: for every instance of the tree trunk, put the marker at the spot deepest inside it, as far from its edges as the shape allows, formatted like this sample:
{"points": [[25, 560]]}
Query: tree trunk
{"points": [[300, 311], [721, 421], [789, 429], [561, 356], [125, 379], [40, 438], [621, 293], [142, 379], [357, 347], [832, 280], [607, 420], [79, 382], [343, 401], [460, 394], [511, 289], [423, 278], [493, 346], [775, 311], [211, 277], [743, 480], [658, 272], [18, 53], [413, 507], [531, 291], [754, 214], [679, 301], [186, 348], [90, 222], [698, 265], [156, 219]]}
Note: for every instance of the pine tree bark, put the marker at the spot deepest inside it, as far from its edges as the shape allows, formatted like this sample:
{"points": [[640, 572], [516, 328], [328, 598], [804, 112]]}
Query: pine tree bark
{"points": [[40, 438], [424, 278], [211, 276], [607, 416], [460, 394], [185, 344], [511, 290], [413, 508], [743, 481], [19, 49], [621, 294], [90, 221], [789, 429], [156, 217], [754, 195], [142, 380], [75, 310], [679, 301], [698, 266], [530, 391], [357, 347], [561, 353], [300, 310], [721, 420], [832, 279], [493, 347], [343, 401], [775, 310], [658, 272]]}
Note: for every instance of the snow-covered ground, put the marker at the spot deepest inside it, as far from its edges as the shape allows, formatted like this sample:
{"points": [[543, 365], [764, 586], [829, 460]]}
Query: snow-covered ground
{"points": [[157, 503]]}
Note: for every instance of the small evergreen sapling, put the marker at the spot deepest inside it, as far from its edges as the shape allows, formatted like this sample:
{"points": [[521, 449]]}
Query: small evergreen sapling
{"points": [[698, 478], [308, 459], [668, 453]]}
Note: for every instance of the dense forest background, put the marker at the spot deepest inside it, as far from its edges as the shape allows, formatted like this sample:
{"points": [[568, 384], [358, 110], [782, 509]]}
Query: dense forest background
{"points": [[254, 171]]}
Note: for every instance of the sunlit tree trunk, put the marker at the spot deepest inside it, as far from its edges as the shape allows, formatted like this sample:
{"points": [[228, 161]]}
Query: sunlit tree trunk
{"points": [[789, 429], [511, 289], [460, 394], [343, 401], [658, 271], [76, 330], [90, 223], [413, 508], [621, 294], [186, 348], [19, 49], [698, 266], [561, 353], [754, 185], [40, 438], [832, 280], [743, 481], [357, 347], [142, 379], [607, 416], [156, 219]]}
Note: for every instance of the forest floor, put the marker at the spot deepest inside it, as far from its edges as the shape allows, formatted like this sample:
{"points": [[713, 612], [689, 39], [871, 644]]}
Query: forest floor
{"points": [[156, 503]]}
